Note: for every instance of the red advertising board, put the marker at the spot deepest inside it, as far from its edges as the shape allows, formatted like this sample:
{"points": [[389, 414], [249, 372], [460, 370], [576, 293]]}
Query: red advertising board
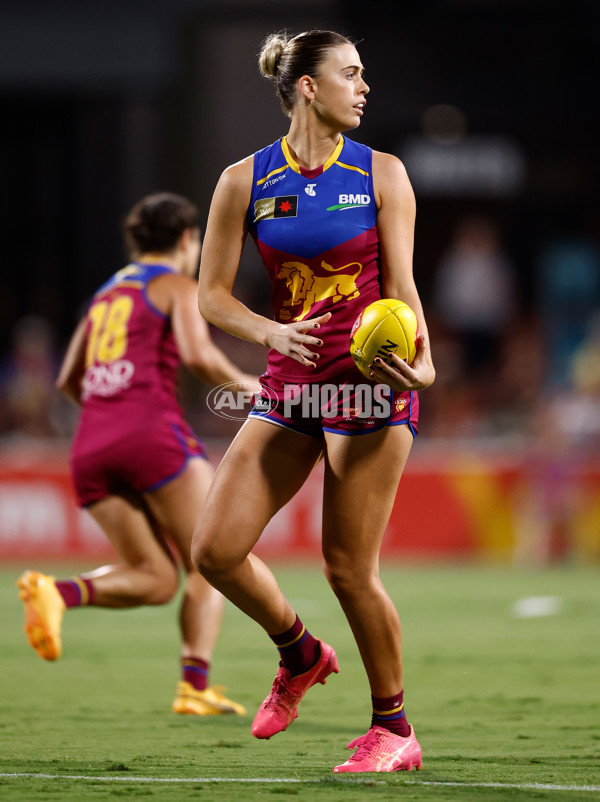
{"points": [[446, 506]]}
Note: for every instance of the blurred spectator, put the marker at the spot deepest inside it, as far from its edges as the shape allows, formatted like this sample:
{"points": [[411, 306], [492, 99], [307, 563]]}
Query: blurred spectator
{"points": [[29, 404], [557, 504], [475, 292], [475, 305], [579, 414], [520, 377], [569, 295]]}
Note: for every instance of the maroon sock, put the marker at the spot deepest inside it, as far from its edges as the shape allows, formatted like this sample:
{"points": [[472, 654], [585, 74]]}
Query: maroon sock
{"points": [[297, 648], [195, 671], [388, 712], [76, 592]]}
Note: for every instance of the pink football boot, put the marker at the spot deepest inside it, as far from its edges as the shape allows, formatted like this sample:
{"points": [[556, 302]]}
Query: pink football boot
{"points": [[382, 750], [280, 707]]}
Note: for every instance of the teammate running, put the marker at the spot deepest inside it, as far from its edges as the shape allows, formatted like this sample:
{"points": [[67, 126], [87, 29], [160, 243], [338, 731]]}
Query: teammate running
{"points": [[137, 466]]}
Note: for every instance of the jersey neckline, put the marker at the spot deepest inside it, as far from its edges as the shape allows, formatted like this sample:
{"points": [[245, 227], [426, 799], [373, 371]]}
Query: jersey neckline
{"points": [[318, 170]]}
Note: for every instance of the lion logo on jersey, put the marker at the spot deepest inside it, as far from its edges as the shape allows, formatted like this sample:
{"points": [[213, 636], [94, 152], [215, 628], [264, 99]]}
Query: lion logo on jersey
{"points": [[307, 288]]}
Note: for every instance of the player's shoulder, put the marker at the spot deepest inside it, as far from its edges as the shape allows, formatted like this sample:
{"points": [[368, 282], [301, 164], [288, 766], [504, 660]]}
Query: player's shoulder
{"points": [[168, 288], [171, 287], [239, 168], [384, 162], [354, 155], [173, 278], [350, 146], [237, 180], [390, 178], [237, 177]]}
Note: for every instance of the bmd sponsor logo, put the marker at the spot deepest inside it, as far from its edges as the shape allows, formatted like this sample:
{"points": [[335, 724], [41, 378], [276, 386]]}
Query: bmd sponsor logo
{"points": [[347, 201]]}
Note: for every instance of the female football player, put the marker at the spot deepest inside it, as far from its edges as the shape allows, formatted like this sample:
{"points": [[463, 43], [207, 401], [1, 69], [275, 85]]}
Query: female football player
{"points": [[137, 466], [333, 222]]}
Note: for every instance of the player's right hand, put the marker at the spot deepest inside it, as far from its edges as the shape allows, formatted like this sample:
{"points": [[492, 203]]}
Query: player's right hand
{"points": [[297, 340], [402, 377]]}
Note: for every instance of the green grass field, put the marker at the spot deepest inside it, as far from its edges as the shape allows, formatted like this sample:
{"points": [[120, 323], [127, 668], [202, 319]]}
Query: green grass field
{"points": [[504, 707]]}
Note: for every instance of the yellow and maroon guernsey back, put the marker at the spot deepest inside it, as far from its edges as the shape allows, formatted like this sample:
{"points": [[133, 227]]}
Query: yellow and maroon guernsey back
{"points": [[131, 358], [316, 233]]}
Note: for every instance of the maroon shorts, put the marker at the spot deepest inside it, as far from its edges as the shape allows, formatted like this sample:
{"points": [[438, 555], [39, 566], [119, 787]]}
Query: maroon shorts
{"points": [[346, 404], [142, 460]]}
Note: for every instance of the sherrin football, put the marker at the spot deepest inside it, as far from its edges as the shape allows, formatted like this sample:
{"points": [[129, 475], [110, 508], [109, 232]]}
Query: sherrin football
{"points": [[383, 328]]}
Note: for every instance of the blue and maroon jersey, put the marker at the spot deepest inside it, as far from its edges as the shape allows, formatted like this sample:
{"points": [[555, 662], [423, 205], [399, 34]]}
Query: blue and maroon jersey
{"points": [[131, 358], [317, 236]]}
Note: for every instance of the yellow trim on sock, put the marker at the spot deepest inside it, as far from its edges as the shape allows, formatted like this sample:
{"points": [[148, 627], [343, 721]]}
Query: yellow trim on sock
{"points": [[295, 640], [85, 596]]}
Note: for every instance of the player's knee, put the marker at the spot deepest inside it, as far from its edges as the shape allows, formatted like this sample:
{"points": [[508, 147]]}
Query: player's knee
{"points": [[208, 561], [164, 587], [198, 554], [344, 576]]}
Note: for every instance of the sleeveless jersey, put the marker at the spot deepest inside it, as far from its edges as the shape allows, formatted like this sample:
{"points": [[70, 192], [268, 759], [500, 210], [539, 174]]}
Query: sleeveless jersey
{"points": [[131, 358], [316, 233]]}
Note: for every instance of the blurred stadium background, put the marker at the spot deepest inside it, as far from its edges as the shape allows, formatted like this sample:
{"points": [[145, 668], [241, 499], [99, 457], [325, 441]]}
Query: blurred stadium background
{"points": [[490, 103]]}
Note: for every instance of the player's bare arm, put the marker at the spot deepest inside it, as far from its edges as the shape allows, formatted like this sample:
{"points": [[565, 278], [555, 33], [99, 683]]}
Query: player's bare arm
{"points": [[73, 365], [223, 244], [197, 351], [395, 225]]}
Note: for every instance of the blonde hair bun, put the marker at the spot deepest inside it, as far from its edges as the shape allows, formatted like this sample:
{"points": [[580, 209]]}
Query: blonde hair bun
{"points": [[270, 54]]}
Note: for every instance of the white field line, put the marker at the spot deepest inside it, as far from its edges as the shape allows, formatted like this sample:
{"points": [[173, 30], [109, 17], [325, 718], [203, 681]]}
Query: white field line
{"points": [[518, 786]]}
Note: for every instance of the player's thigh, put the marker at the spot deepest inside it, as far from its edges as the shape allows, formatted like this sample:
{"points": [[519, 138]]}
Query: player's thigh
{"points": [[127, 523], [261, 471], [176, 505], [362, 474]]}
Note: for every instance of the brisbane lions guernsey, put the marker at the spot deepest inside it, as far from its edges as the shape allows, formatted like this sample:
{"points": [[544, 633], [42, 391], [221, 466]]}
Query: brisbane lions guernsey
{"points": [[131, 357], [316, 233]]}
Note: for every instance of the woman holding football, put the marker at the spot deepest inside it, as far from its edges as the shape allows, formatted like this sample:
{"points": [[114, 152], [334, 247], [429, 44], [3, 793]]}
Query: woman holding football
{"points": [[334, 223]]}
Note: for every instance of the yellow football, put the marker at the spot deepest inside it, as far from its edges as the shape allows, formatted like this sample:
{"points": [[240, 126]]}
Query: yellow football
{"points": [[383, 328]]}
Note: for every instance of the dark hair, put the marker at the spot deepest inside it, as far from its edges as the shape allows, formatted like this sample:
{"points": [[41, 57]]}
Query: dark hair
{"points": [[156, 223], [286, 60]]}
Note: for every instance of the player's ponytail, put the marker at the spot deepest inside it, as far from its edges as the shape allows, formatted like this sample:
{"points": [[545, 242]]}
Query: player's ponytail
{"points": [[286, 60]]}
